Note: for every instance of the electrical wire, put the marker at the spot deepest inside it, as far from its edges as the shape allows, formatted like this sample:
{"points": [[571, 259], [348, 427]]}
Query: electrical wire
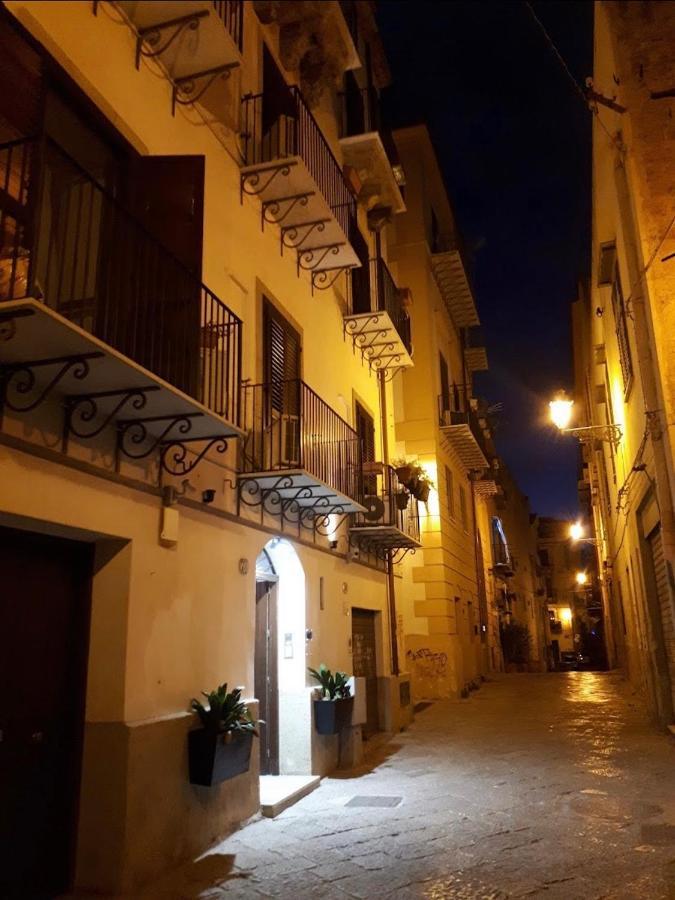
{"points": [[619, 146]]}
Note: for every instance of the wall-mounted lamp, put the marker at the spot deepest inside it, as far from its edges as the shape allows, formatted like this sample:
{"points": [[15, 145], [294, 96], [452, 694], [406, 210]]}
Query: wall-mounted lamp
{"points": [[561, 416]]}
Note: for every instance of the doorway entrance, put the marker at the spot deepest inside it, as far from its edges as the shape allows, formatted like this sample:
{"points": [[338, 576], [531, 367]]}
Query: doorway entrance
{"points": [[44, 632], [266, 663], [364, 663]]}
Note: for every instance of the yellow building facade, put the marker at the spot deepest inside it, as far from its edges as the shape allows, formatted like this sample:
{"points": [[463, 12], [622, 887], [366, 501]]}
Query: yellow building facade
{"points": [[199, 341], [623, 330]]}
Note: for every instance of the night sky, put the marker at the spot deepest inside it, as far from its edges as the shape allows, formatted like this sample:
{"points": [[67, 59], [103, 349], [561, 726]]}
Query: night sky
{"points": [[514, 141]]}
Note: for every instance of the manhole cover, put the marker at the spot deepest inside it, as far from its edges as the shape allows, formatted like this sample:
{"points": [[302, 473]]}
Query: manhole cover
{"points": [[374, 801]]}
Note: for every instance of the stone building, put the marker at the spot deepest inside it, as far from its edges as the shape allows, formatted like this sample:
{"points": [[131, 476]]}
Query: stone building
{"points": [[624, 333], [201, 330]]}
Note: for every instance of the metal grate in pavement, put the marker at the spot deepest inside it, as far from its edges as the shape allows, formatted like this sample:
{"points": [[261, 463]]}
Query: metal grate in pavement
{"points": [[374, 801]]}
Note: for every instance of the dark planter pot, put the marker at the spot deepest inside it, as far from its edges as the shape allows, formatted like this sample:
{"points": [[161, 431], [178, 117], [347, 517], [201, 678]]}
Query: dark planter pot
{"points": [[331, 716], [422, 492], [214, 758], [402, 500], [404, 473]]}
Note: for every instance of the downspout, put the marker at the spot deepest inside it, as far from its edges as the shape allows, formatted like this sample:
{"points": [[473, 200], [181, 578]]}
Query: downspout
{"points": [[391, 588]]}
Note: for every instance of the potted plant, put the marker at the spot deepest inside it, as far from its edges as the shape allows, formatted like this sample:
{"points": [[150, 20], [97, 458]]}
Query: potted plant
{"points": [[334, 710], [414, 479], [402, 499], [221, 748]]}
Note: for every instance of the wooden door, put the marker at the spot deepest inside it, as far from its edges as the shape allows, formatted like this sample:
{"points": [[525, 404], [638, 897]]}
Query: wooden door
{"points": [[266, 675], [44, 626], [364, 661]]}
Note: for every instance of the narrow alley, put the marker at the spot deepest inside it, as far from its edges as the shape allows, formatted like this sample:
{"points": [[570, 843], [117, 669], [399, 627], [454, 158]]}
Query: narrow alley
{"points": [[551, 785]]}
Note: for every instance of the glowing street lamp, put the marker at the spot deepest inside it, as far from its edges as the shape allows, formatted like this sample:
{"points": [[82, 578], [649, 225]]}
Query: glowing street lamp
{"points": [[561, 415], [582, 578], [576, 531], [566, 614]]}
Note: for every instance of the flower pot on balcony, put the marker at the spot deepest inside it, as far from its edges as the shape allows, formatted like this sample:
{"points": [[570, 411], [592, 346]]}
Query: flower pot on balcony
{"points": [[402, 500], [422, 491], [331, 716], [404, 474], [215, 757]]}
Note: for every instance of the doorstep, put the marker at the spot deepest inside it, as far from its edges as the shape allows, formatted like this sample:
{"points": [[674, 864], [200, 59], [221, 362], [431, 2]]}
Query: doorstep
{"points": [[278, 792]]}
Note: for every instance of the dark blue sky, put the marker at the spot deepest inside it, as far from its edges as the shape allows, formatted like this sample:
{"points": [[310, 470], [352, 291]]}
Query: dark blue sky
{"points": [[514, 142]]}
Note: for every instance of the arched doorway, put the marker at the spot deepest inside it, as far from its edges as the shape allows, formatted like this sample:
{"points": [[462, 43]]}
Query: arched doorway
{"points": [[280, 661]]}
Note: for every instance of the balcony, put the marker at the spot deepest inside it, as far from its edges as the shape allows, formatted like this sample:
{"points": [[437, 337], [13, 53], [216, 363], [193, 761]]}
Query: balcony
{"points": [[369, 149], [462, 431], [485, 486], [96, 312], [379, 324], [331, 25], [475, 354], [390, 523], [291, 168], [198, 42], [447, 264], [301, 461]]}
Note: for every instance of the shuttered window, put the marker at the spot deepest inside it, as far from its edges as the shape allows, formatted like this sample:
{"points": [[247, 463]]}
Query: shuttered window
{"points": [[281, 361], [365, 428], [462, 507], [621, 325], [445, 383], [450, 492]]}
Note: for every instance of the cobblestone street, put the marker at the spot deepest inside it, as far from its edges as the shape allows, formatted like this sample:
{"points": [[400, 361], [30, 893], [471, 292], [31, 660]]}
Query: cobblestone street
{"points": [[538, 785]]}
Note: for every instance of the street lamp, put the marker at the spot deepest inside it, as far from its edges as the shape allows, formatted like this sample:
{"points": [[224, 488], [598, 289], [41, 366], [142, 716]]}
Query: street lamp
{"points": [[577, 534], [582, 578], [561, 416]]}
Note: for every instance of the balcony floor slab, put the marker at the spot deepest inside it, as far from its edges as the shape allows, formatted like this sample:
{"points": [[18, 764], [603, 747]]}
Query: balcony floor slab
{"points": [[304, 488], [30, 331], [465, 445], [376, 336]]}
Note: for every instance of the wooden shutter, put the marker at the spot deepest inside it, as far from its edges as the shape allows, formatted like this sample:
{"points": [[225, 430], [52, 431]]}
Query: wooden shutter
{"points": [[445, 383], [281, 360], [655, 542]]}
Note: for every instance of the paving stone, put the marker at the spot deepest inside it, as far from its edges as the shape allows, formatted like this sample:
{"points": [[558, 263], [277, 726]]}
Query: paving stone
{"points": [[546, 786]]}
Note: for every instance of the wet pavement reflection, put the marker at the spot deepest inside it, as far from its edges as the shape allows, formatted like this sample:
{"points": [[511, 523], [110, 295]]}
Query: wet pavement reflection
{"points": [[551, 785]]}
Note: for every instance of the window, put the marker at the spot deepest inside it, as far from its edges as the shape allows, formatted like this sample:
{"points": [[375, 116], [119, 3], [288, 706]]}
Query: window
{"points": [[445, 385], [365, 428], [500, 548], [621, 325], [462, 507], [450, 492], [281, 362]]}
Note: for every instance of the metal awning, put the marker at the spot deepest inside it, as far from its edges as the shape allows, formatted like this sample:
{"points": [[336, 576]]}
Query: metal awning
{"points": [[454, 287], [197, 42], [294, 494], [378, 339], [45, 356], [366, 154], [485, 487], [460, 435], [383, 537], [292, 200]]}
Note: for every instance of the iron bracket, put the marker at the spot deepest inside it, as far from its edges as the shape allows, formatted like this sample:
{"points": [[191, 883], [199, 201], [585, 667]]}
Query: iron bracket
{"points": [[275, 211], [133, 433], [184, 90], [23, 376], [173, 455], [152, 34], [250, 182]]}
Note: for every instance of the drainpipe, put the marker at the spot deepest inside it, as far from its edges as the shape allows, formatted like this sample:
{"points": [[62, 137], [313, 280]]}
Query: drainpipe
{"points": [[391, 588], [653, 408]]}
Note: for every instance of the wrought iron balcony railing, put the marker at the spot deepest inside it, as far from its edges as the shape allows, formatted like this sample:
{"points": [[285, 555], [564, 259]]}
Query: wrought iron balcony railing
{"points": [[231, 13], [390, 300], [388, 505], [290, 428], [68, 243], [460, 423], [281, 126]]}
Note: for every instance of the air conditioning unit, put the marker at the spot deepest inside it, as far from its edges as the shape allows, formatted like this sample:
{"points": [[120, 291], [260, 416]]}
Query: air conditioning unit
{"points": [[282, 442]]}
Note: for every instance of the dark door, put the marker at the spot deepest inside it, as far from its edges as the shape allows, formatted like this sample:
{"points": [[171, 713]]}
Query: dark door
{"points": [[279, 114], [364, 661], [44, 626], [360, 275], [266, 679]]}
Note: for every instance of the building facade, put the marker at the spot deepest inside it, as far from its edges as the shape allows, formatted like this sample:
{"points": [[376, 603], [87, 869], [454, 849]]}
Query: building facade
{"points": [[200, 336], [624, 351]]}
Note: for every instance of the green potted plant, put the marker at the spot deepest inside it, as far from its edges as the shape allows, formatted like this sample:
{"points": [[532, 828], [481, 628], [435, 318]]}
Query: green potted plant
{"points": [[221, 748], [402, 499], [334, 710], [414, 479]]}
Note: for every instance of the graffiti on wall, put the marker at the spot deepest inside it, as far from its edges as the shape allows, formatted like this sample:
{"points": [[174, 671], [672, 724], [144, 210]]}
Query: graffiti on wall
{"points": [[428, 663]]}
